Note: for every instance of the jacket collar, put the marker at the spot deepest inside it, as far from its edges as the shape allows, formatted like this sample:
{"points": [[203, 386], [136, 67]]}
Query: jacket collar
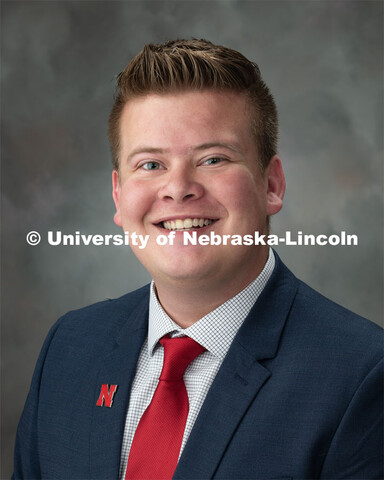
{"points": [[118, 368], [240, 377]]}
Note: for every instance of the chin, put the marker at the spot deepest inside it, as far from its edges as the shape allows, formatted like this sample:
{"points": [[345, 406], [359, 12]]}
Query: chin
{"points": [[180, 272]]}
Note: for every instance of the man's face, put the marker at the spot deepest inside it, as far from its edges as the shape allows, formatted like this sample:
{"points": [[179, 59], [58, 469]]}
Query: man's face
{"points": [[189, 159]]}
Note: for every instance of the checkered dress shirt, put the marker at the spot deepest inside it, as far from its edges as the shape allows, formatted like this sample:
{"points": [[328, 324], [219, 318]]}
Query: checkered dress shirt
{"points": [[215, 332]]}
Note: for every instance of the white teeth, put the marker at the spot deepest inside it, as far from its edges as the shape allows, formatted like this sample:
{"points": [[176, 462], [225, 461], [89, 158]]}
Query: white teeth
{"points": [[186, 224]]}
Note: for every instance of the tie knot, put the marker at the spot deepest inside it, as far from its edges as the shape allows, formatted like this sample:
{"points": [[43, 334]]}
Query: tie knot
{"points": [[179, 352]]}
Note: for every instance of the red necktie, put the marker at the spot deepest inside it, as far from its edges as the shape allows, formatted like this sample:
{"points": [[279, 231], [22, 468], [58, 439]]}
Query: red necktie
{"points": [[157, 441]]}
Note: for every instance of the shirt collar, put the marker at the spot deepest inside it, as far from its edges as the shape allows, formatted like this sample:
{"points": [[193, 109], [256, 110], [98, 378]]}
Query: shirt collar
{"points": [[216, 330]]}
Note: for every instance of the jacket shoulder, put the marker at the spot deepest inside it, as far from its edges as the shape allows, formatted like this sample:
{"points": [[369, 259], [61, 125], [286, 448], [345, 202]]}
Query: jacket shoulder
{"points": [[327, 322], [111, 306], [105, 318]]}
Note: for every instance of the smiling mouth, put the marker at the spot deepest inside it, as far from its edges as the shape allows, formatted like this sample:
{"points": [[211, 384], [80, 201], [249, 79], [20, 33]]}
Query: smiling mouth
{"points": [[186, 224]]}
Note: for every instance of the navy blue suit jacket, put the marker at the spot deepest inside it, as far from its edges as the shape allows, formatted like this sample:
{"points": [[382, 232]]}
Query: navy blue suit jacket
{"points": [[298, 394]]}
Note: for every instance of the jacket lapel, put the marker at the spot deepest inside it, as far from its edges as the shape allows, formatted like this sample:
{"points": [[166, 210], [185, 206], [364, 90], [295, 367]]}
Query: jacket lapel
{"points": [[239, 379], [118, 368]]}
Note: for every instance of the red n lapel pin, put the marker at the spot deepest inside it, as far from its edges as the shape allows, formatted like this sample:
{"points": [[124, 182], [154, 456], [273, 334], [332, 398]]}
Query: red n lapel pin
{"points": [[106, 395]]}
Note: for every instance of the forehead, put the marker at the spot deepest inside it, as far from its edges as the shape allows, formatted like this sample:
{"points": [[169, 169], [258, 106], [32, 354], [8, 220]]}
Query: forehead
{"points": [[186, 117]]}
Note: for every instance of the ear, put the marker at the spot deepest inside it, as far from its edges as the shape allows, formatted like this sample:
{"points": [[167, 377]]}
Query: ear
{"points": [[116, 190], [276, 186]]}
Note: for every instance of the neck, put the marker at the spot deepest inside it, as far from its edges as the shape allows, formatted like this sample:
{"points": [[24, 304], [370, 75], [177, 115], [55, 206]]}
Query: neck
{"points": [[187, 301]]}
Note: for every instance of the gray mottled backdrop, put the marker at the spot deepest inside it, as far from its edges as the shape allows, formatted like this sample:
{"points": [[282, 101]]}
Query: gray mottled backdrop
{"points": [[323, 62]]}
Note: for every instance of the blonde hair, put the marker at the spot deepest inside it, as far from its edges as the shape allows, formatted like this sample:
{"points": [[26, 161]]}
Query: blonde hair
{"points": [[196, 65]]}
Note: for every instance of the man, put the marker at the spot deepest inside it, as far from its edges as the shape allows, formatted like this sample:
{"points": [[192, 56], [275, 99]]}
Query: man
{"points": [[227, 366]]}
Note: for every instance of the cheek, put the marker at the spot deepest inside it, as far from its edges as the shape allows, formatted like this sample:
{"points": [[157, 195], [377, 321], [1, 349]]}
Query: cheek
{"points": [[135, 201], [242, 193]]}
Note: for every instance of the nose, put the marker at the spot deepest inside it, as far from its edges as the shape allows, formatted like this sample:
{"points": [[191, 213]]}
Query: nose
{"points": [[181, 185]]}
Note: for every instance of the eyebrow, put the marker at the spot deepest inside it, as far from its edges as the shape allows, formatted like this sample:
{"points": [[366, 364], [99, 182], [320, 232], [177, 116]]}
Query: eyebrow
{"points": [[145, 149], [203, 146]]}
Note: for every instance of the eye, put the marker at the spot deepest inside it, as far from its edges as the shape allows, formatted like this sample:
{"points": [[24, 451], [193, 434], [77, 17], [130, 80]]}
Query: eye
{"points": [[150, 166], [213, 161]]}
